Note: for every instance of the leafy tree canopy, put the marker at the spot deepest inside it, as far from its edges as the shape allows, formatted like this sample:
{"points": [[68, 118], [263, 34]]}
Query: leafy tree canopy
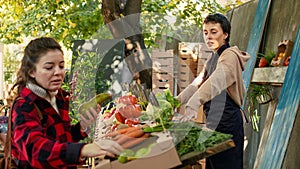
{"points": [[68, 20]]}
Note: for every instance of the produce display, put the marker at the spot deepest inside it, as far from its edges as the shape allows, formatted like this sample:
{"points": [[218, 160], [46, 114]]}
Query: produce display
{"points": [[132, 123]]}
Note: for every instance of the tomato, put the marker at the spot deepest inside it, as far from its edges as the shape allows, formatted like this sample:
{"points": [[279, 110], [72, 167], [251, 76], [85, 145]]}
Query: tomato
{"points": [[119, 117], [127, 99], [138, 107], [287, 61], [263, 62], [114, 127], [130, 111]]}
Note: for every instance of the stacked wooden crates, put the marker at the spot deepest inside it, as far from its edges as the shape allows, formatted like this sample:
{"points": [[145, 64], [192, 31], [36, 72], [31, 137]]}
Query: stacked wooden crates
{"points": [[163, 70], [191, 61]]}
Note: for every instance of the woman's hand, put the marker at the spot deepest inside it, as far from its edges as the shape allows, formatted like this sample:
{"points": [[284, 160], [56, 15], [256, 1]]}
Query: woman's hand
{"points": [[102, 147], [109, 146], [88, 119], [188, 115]]}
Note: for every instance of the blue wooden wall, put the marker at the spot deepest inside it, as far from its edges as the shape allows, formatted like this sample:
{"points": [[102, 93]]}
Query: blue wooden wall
{"points": [[255, 40], [285, 113]]}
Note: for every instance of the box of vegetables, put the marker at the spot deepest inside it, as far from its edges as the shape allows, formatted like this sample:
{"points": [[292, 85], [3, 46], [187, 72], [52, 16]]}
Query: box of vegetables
{"points": [[149, 135]]}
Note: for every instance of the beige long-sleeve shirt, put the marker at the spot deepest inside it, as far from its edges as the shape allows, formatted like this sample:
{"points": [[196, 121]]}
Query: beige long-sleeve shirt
{"points": [[227, 75]]}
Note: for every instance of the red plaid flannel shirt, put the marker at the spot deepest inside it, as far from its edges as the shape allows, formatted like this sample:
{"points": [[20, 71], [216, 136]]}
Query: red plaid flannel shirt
{"points": [[48, 143]]}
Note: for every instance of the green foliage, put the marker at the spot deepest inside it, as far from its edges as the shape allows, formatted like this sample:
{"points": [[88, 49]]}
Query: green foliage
{"points": [[256, 91], [72, 20], [84, 85], [268, 55], [168, 96], [177, 19], [11, 65], [60, 19]]}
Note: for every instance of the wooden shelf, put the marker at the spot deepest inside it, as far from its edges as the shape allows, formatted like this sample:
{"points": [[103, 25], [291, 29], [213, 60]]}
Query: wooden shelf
{"points": [[269, 74]]}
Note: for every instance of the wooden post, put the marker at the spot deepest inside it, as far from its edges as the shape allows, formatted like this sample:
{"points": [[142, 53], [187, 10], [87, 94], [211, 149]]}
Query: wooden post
{"points": [[266, 131]]}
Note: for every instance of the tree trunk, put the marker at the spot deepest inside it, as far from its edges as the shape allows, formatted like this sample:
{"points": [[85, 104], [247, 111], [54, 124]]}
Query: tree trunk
{"points": [[122, 17]]}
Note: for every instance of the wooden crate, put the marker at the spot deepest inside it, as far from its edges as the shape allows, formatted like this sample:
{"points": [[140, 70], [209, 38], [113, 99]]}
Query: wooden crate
{"points": [[163, 65], [187, 71], [182, 84], [203, 57], [191, 61], [163, 61], [285, 48], [163, 70], [161, 82], [189, 50], [187, 65], [157, 53]]}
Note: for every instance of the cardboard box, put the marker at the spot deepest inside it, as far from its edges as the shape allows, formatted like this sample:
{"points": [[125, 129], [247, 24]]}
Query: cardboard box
{"points": [[163, 155]]}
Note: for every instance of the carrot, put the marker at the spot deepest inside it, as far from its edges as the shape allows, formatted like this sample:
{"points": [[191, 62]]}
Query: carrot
{"points": [[128, 136], [120, 131], [135, 141]]}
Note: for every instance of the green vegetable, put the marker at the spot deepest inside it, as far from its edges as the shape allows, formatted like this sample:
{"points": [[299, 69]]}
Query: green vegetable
{"points": [[158, 128], [98, 99], [167, 95], [142, 152], [126, 155], [165, 111], [189, 137], [122, 159]]}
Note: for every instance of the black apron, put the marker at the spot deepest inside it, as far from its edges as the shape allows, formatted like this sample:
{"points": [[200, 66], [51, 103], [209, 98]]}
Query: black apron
{"points": [[224, 115]]}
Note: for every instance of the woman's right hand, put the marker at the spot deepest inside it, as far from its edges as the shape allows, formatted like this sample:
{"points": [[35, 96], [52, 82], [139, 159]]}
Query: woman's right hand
{"points": [[101, 147]]}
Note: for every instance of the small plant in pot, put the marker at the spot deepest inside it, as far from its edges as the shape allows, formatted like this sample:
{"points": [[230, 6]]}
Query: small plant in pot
{"points": [[261, 93], [257, 94], [266, 59]]}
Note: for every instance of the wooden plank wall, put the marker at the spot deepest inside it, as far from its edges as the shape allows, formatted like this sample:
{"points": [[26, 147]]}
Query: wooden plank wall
{"points": [[241, 23], [283, 22], [255, 39], [284, 118], [291, 160]]}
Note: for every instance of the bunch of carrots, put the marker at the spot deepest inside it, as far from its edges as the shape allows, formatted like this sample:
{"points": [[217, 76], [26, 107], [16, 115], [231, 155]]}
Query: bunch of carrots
{"points": [[128, 137]]}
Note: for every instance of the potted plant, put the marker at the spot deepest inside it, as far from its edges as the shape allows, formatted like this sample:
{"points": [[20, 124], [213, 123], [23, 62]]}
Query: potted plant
{"points": [[257, 94], [260, 93], [266, 59]]}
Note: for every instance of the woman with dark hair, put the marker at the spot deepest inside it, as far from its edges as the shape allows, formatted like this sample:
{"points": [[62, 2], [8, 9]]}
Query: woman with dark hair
{"points": [[42, 134], [220, 90]]}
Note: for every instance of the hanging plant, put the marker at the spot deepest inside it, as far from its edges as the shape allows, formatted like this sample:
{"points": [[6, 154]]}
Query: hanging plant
{"points": [[257, 94]]}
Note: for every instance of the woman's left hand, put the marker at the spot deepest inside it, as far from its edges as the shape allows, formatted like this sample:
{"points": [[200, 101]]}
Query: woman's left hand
{"points": [[88, 119]]}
